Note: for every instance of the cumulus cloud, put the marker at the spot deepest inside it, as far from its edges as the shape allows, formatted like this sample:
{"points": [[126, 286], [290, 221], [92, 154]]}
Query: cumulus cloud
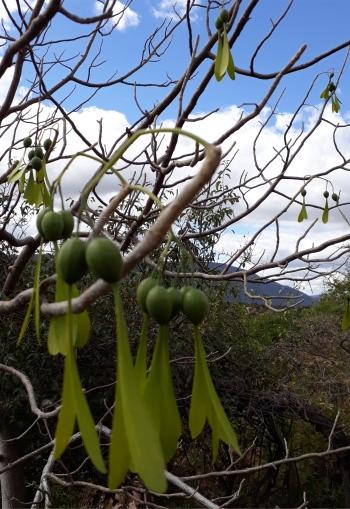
{"points": [[317, 155], [12, 8], [172, 9], [125, 17]]}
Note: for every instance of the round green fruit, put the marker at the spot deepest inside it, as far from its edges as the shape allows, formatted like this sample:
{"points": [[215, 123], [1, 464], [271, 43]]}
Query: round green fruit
{"points": [[183, 290], [36, 163], [104, 259], [195, 305], [159, 304], [335, 197], [47, 144], [39, 219], [219, 24], [31, 154], [176, 300], [224, 15], [71, 260], [68, 223], [52, 225], [39, 152], [326, 194], [27, 142], [142, 291]]}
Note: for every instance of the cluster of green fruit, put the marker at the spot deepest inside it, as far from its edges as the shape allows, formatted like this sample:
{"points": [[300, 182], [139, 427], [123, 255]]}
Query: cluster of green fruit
{"points": [[164, 304], [222, 19], [100, 256], [54, 226], [36, 154]]}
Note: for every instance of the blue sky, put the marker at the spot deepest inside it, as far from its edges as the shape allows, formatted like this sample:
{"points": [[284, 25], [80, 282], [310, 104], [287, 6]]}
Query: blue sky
{"points": [[319, 23]]}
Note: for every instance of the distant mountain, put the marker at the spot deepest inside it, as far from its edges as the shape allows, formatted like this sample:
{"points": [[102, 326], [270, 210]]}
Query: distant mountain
{"points": [[279, 295]]}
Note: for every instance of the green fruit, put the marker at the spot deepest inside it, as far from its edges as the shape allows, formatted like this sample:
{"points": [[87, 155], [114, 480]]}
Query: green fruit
{"points": [[47, 144], [326, 194], [159, 304], [335, 197], [303, 192], [39, 219], [104, 259], [52, 225], [68, 223], [36, 163], [31, 154], [183, 290], [71, 260], [176, 300], [142, 291], [224, 15], [27, 142], [39, 152], [219, 24], [195, 305]]}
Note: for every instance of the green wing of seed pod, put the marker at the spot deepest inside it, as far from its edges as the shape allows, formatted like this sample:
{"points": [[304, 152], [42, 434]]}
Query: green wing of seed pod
{"points": [[160, 398], [58, 328], [119, 453], [325, 213], [141, 356], [22, 182], [231, 67], [303, 214], [85, 421], [216, 415], [66, 417], [335, 104], [26, 320], [325, 93], [144, 445], [33, 302], [16, 174], [31, 190], [46, 198], [222, 56], [345, 324], [36, 290]]}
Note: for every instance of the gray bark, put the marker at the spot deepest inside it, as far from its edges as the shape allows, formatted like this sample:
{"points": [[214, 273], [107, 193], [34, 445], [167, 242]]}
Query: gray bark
{"points": [[11, 481]]}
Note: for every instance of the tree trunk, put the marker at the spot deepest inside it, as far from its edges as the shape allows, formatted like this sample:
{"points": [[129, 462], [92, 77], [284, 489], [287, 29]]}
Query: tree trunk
{"points": [[12, 481]]}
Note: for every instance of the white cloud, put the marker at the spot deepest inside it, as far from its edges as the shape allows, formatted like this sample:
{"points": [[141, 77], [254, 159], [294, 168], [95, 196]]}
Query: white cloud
{"points": [[13, 9], [172, 9], [125, 17], [316, 156]]}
